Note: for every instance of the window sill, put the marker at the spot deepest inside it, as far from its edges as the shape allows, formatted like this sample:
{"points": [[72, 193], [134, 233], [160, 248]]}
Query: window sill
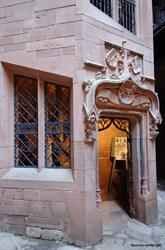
{"points": [[55, 175]]}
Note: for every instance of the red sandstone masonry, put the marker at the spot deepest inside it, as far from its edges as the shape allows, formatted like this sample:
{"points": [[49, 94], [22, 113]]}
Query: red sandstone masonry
{"points": [[47, 35], [61, 16], [14, 207], [51, 44], [16, 194], [1, 194], [47, 209], [13, 28], [53, 223], [16, 220], [17, 229], [45, 18], [31, 195], [3, 13], [49, 4], [52, 195], [18, 12], [4, 3]]}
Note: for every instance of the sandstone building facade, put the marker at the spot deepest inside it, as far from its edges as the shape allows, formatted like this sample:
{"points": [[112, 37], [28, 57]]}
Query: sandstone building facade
{"points": [[73, 74]]}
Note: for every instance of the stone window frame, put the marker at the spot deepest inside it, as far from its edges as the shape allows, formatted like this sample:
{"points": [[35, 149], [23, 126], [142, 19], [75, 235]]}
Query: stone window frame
{"points": [[40, 174]]}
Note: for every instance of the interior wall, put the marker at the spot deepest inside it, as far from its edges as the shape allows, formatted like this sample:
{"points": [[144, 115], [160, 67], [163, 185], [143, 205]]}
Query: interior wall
{"points": [[105, 163]]}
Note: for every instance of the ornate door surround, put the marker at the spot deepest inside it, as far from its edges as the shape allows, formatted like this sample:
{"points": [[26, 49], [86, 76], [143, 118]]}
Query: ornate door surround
{"points": [[121, 90]]}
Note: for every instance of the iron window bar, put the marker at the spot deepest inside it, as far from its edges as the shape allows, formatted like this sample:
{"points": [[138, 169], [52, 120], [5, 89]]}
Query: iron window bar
{"points": [[103, 5], [127, 14]]}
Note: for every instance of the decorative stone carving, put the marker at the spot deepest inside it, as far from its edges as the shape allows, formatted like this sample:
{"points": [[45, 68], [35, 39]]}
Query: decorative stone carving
{"points": [[121, 61], [126, 93], [101, 74], [153, 129], [115, 60], [112, 58], [102, 99], [135, 65], [91, 120], [86, 86], [122, 89], [98, 196], [144, 186]]}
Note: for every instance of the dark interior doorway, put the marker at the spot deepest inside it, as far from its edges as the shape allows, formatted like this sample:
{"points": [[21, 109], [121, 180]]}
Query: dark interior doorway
{"points": [[114, 160]]}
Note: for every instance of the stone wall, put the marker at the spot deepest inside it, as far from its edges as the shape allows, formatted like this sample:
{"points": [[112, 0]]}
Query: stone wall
{"points": [[39, 34], [54, 40]]}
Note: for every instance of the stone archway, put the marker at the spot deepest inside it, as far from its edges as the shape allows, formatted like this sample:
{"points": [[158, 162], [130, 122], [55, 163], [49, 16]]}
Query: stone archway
{"points": [[126, 92]]}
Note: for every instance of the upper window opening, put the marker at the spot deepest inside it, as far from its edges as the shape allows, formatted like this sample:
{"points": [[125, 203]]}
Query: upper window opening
{"points": [[127, 14], [126, 11], [103, 5]]}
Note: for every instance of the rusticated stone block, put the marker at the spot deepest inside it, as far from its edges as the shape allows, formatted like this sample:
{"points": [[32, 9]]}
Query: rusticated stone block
{"points": [[15, 194], [4, 3], [51, 234], [52, 223], [33, 232], [61, 30], [49, 4], [3, 12], [16, 220], [1, 194], [17, 229], [58, 210], [31, 195], [15, 207], [52, 195], [3, 225], [61, 16]]}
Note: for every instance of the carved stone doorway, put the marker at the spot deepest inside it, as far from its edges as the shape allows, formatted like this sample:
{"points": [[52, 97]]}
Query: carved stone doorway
{"points": [[126, 99]]}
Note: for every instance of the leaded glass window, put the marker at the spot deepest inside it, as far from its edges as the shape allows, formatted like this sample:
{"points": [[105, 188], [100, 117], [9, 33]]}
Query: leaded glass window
{"points": [[57, 125], [26, 122]]}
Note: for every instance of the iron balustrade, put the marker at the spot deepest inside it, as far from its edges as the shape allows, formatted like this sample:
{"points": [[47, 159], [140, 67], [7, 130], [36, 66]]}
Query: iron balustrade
{"points": [[127, 12], [103, 5]]}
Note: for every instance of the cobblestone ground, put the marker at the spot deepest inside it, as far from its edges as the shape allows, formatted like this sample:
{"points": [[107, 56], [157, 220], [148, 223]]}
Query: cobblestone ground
{"points": [[120, 232]]}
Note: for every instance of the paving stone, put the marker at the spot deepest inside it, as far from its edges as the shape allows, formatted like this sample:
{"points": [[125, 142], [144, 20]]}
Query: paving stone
{"points": [[33, 232], [139, 227], [48, 234], [120, 233], [68, 248]]}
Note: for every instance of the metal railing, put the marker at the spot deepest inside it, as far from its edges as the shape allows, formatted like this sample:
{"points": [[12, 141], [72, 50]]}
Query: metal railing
{"points": [[103, 5]]}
